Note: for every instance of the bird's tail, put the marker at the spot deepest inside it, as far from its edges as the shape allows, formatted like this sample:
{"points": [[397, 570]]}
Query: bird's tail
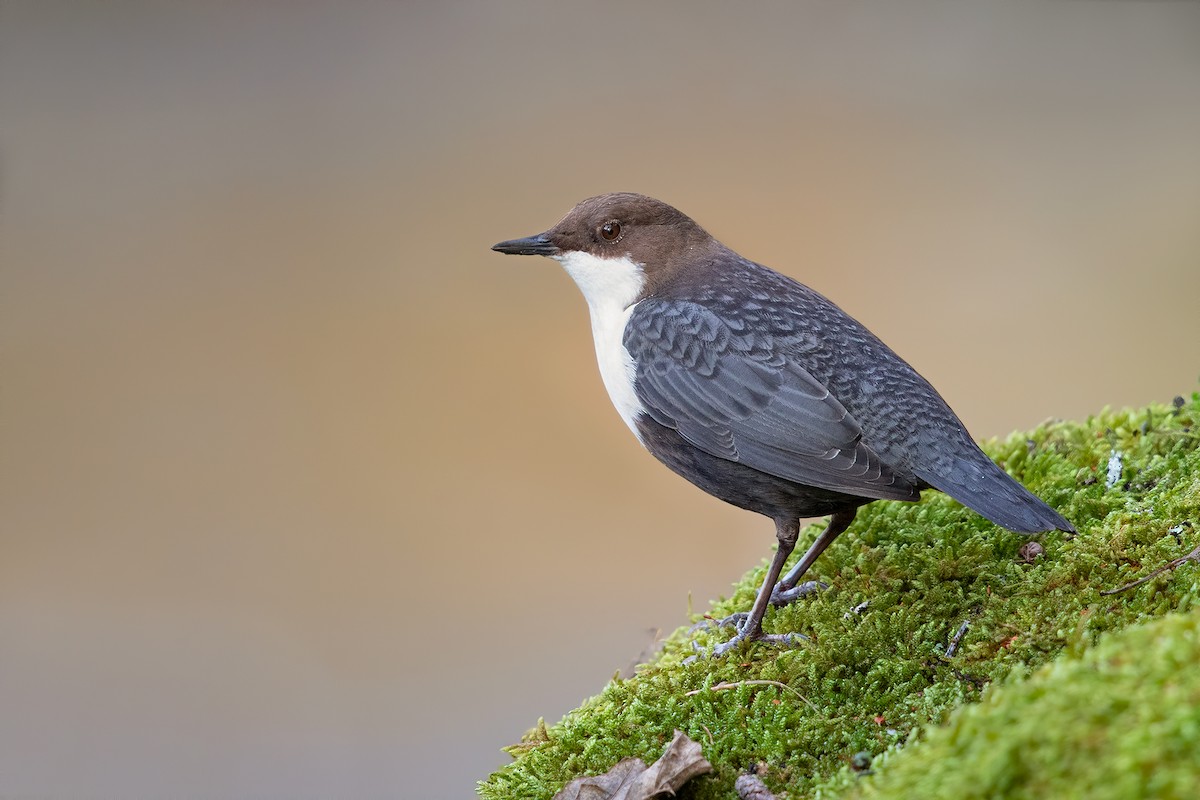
{"points": [[991, 492]]}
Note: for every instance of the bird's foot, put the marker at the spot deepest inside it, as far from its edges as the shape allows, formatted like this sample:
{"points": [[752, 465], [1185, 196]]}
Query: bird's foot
{"points": [[782, 597], [735, 620], [739, 621], [779, 597], [777, 639]]}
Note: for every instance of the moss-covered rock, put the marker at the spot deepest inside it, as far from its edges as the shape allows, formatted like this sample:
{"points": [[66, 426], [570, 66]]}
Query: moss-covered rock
{"points": [[1120, 721], [902, 581]]}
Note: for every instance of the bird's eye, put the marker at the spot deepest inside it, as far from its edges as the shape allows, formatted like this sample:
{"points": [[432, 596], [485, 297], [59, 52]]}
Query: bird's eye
{"points": [[610, 231]]}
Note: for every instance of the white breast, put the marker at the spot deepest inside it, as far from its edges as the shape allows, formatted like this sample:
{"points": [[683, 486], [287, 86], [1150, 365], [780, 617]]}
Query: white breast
{"points": [[610, 286]]}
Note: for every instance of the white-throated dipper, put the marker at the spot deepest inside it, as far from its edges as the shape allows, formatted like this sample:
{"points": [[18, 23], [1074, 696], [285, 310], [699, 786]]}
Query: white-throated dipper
{"points": [[759, 390]]}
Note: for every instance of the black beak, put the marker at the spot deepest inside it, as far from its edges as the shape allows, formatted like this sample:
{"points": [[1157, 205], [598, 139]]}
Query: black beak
{"points": [[539, 245]]}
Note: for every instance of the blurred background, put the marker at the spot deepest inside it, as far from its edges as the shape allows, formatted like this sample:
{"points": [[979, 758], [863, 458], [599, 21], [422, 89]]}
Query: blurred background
{"points": [[306, 493]]}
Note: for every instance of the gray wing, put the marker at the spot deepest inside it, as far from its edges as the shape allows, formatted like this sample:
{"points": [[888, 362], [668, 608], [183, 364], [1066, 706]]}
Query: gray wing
{"points": [[735, 394]]}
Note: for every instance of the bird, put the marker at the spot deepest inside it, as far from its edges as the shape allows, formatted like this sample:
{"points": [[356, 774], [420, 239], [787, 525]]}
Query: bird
{"points": [[760, 391]]}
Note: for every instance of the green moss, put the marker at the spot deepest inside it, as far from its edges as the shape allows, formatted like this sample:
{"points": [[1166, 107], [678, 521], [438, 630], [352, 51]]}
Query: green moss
{"points": [[867, 681], [1121, 721]]}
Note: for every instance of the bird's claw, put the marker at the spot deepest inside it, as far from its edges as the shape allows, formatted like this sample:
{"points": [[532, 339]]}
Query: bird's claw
{"points": [[735, 620], [782, 597], [776, 639], [738, 620]]}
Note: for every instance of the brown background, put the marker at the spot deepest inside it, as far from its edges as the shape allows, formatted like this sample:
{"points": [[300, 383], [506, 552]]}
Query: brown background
{"points": [[304, 492]]}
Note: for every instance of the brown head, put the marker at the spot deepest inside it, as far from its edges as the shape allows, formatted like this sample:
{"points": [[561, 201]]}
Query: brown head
{"points": [[618, 246]]}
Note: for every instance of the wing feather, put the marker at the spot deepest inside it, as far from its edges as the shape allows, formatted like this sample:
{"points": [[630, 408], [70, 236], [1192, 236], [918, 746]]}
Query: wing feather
{"points": [[737, 395]]}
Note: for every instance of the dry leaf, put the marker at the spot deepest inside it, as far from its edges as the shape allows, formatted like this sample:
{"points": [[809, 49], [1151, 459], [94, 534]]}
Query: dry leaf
{"points": [[751, 787], [631, 779]]}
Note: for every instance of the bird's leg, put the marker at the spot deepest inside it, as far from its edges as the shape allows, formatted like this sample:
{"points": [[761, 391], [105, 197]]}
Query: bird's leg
{"points": [[786, 531], [787, 590]]}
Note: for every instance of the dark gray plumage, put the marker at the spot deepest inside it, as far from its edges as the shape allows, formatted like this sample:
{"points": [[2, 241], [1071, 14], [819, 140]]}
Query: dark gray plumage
{"points": [[758, 389]]}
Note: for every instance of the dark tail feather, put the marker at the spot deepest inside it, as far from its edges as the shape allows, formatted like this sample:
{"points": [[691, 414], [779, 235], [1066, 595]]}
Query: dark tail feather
{"points": [[989, 491]]}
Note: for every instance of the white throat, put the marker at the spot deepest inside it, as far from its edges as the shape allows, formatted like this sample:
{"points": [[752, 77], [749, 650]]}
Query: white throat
{"points": [[610, 286]]}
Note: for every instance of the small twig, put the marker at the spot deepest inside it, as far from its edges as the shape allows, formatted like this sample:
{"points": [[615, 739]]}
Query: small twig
{"points": [[1170, 565], [952, 648], [716, 687]]}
